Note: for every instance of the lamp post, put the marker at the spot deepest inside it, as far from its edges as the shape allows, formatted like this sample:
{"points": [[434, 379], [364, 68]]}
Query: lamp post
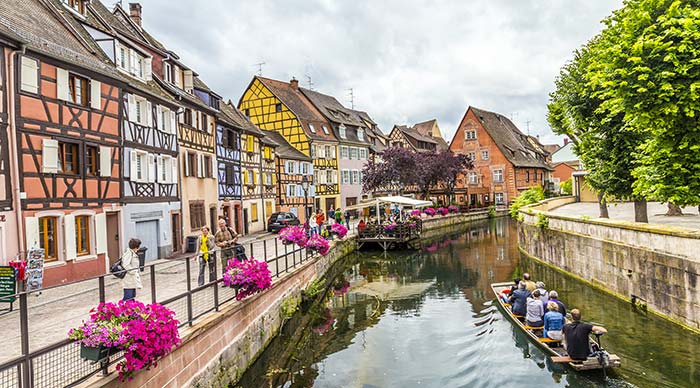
{"points": [[305, 187]]}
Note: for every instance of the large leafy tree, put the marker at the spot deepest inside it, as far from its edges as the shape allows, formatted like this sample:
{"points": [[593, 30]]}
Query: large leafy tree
{"points": [[394, 171], [647, 69]]}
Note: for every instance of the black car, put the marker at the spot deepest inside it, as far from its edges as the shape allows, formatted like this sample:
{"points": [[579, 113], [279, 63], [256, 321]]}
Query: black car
{"points": [[278, 221]]}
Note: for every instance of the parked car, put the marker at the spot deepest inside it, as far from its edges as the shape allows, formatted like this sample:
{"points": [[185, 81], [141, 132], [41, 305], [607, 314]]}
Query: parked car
{"points": [[278, 221]]}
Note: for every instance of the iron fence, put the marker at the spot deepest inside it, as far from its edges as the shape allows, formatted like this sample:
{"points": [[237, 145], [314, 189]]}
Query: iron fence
{"points": [[60, 365]]}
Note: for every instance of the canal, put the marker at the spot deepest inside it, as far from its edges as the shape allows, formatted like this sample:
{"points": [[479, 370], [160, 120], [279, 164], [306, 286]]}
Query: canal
{"points": [[427, 319]]}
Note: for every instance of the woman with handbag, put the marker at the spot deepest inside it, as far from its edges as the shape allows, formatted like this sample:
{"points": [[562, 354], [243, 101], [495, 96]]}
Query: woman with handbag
{"points": [[130, 262]]}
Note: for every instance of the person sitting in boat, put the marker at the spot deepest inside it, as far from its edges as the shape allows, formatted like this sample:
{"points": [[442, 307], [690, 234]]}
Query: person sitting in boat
{"points": [[553, 322], [554, 297], [505, 294], [518, 300], [529, 284], [535, 312], [544, 295], [576, 336]]}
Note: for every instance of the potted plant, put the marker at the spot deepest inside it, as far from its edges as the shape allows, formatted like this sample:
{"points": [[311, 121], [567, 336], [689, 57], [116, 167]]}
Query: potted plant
{"points": [[145, 333], [339, 230], [430, 211], [318, 244], [248, 277], [293, 235], [415, 213], [443, 211], [453, 208]]}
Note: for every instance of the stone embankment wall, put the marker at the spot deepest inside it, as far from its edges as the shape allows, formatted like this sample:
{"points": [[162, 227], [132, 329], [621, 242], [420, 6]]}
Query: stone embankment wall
{"points": [[657, 263], [217, 349]]}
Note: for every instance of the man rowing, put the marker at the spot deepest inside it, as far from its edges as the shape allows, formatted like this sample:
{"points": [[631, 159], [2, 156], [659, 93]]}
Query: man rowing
{"points": [[576, 336]]}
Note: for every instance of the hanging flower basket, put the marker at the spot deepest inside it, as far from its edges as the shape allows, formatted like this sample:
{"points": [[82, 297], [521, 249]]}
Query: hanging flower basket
{"points": [[453, 208], [293, 235], [96, 353], [430, 211], [415, 213], [318, 244], [248, 277], [443, 210], [339, 230]]}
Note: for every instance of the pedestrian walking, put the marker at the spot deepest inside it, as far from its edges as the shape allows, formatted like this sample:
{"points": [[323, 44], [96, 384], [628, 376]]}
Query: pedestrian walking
{"points": [[320, 218], [130, 262], [226, 239], [206, 255], [338, 215], [347, 219], [331, 215], [312, 224]]}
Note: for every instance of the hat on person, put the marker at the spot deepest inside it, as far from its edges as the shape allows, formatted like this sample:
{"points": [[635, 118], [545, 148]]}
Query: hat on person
{"points": [[553, 294], [540, 284]]}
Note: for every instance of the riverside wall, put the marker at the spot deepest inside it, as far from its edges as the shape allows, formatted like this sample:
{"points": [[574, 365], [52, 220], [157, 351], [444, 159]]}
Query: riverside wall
{"points": [[218, 348], [655, 264]]}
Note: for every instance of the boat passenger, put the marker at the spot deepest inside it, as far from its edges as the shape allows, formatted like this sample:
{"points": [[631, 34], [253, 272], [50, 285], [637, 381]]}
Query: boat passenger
{"points": [[576, 336], [518, 300], [507, 292], [553, 322], [544, 295], [535, 312], [554, 297], [529, 284]]}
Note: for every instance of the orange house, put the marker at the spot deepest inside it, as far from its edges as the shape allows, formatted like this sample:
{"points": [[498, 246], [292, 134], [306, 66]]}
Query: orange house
{"points": [[562, 172], [506, 161]]}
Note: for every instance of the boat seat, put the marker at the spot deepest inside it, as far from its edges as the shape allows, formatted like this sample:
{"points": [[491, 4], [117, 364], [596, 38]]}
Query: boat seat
{"points": [[548, 340], [518, 316], [534, 327], [506, 304], [562, 359]]}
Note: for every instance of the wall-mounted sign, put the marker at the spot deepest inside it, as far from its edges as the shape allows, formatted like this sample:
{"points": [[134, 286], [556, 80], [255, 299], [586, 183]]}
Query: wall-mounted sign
{"points": [[8, 284], [35, 269]]}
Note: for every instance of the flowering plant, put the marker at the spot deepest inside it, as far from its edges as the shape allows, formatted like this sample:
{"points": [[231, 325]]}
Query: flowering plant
{"points": [[453, 208], [318, 243], [145, 333], [293, 235], [430, 211], [341, 287], [390, 227], [415, 212], [339, 229], [248, 276], [443, 210]]}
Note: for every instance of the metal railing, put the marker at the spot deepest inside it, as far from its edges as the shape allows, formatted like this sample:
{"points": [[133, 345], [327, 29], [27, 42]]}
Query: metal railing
{"points": [[59, 364]]}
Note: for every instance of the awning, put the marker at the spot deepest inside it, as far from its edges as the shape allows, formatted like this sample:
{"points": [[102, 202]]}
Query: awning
{"points": [[398, 200]]}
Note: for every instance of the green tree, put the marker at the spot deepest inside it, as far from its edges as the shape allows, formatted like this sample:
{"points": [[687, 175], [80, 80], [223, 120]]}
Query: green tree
{"points": [[647, 70], [566, 187]]}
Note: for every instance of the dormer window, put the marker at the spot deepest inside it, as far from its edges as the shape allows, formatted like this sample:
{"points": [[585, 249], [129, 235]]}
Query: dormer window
{"points": [[168, 73], [311, 128], [133, 62], [75, 5], [360, 134], [325, 129], [343, 134]]}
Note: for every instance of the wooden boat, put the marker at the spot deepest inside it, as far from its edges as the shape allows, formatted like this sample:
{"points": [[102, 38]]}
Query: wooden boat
{"points": [[554, 349]]}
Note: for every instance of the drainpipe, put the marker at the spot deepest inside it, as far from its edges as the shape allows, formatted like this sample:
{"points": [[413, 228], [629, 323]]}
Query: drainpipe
{"points": [[14, 153]]}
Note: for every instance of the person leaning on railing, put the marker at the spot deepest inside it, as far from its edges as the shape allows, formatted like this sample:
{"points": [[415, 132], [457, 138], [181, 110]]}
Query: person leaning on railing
{"points": [[130, 262]]}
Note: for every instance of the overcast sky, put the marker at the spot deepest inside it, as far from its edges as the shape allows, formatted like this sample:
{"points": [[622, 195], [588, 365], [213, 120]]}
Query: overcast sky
{"points": [[407, 61]]}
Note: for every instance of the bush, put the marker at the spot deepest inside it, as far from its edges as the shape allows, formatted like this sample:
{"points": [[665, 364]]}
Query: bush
{"points": [[542, 221], [527, 197], [565, 187], [492, 211]]}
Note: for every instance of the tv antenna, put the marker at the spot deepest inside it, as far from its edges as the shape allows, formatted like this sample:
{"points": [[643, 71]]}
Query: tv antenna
{"points": [[309, 82], [260, 67], [528, 127], [352, 98]]}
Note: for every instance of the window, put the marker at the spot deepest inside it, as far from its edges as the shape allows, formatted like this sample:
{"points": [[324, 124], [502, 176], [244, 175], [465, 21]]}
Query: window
{"points": [[268, 179], [188, 116], [76, 5], [343, 152], [230, 175], [304, 168], [473, 178], [68, 158], [48, 237], [208, 173], [470, 135], [78, 89], [484, 155], [325, 129], [278, 107], [527, 176], [343, 134], [91, 160], [139, 66], [499, 198], [168, 73], [231, 139], [330, 152], [471, 156], [363, 153], [329, 176], [141, 167], [361, 134], [498, 175], [353, 153], [191, 164], [82, 235], [197, 216], [345, 177], [355, 177], [254, 212], [251, 177], [164, 161], [311, 128], [247, 112]]}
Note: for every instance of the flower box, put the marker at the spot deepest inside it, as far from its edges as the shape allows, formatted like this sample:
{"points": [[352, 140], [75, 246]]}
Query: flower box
{"points": [[99, 353]]}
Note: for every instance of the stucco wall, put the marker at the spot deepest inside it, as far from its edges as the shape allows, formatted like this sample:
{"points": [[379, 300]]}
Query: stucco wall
{"points": [[656, 263], [9, 247], [160, 212]]}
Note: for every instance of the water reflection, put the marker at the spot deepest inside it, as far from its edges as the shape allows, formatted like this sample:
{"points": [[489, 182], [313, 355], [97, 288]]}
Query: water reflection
{"points": [[427, 318]]}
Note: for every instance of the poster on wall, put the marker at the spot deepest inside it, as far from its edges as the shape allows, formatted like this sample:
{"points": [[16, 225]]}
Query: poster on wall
{"points": [[35, 269]]}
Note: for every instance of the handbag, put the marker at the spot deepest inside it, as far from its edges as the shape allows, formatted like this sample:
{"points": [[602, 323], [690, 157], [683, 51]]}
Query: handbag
{"points": [[117, 269]]}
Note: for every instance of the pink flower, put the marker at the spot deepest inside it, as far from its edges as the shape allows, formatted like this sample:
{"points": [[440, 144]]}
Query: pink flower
{"points": [[339, 229], [293, 235], [415, 212], [429, 211], [453, 208], [442, 210], [249, 277], [319, 244]]}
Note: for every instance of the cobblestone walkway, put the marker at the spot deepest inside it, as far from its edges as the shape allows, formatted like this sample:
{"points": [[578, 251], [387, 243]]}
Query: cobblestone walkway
{"points": [[624, 211]]}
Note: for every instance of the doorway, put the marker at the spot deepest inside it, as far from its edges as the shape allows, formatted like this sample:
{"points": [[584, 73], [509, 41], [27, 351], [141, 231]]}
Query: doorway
{"points": [[245, 221], [175, 225], [113, 247], [330, 204], [212, 218]]}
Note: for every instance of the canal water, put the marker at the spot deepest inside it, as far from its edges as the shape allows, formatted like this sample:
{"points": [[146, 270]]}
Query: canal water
{"points": [[427, 319]]}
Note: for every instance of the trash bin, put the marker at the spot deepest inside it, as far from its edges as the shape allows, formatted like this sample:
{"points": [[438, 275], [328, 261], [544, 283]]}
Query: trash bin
{"points": [[191, 246], [142, 257]]}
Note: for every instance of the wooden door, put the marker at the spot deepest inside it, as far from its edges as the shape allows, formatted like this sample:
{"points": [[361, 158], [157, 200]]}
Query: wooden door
{"points": [[245, 221], [175, 226], [113, 247]]}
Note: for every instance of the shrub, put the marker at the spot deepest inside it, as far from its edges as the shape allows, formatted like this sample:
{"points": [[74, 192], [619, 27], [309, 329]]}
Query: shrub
{"points": [[566, 187], [248, 276], [527, 197], [542, 221], [492, 211]]}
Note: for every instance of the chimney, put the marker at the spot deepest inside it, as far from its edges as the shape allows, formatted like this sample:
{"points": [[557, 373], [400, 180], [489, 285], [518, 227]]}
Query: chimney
{"points": [[135, 13], [294, 83], [566, 140]]}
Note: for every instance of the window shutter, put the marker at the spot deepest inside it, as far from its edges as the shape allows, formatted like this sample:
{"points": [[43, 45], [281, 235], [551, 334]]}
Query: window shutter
{"points": [[30, 75], [132, 108], [62, 84], [173, 124], [186, 161], [214, 167], [69, 236], [160, 167], [149, 114], [274, 179], [150, 175], [95, 94], [159, 118], [133, 173], [200, 166], [173, 175], [31, 232], [101, 233], [133, 63], [147, 71], [245, 176], [105, 161], [49, 156]]}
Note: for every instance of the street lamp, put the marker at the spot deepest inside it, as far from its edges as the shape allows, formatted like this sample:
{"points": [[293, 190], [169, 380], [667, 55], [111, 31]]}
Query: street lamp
{"points": [[305, 187]]}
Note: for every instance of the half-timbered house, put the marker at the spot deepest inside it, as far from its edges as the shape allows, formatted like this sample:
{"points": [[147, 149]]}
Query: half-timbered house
{"points": [[281, 107], [292, 168], [251, 171], [228, 155], [268, 176], [9, 245], [150, 191], [65, 103]]}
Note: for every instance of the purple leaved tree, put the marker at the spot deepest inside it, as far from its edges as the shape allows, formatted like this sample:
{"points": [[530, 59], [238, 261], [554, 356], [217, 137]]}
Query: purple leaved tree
{"points": [[396, 169]]}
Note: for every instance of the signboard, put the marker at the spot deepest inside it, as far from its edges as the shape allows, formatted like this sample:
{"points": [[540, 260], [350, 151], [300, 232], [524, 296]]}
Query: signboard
{"points": [[7, 284], [35, 269]]}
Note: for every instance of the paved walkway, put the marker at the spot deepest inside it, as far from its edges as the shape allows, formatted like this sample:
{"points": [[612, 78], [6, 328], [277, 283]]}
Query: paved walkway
{"points": [[625, 211], [52, 312]]}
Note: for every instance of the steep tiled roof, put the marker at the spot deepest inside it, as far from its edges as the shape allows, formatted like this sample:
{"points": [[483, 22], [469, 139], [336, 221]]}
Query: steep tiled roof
{"points": [[232, 116], [425, 128], [284, 149], [517, 147], [337, 114], [298, 103]]}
